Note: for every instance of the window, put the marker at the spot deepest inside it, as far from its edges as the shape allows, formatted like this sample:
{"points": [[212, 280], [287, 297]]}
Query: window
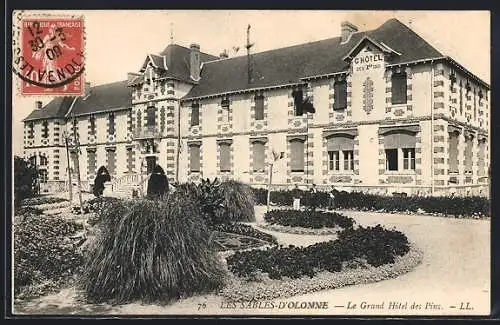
{"points": [[409, 158], [225, 110], [45, 129], [43, 176], [31, 130], [139, 119], [453, 152], [195, 114], [91, 163], [32, 160], [391, 159], [111, 128], [259, 107], [259, 156], [340, 147], [468, 154], [92, 124], [480, 158], [398, 88], [298, 97], [151, 116], [43, 161], [340, 95], [297, 155], [333, 160], [225, 157], [348, 156], [111, 159], [130, 160], [194, 158]]}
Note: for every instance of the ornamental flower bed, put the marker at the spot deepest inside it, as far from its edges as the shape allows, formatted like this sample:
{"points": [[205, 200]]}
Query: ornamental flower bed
{"points": [[471, 206], [42, 200], [308, 219], [45, 255], [246, 230], [374, 245], [264, 288]]}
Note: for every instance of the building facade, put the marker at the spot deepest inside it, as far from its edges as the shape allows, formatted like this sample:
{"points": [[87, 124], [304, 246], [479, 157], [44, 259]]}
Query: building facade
{"points": [[391, 114]]}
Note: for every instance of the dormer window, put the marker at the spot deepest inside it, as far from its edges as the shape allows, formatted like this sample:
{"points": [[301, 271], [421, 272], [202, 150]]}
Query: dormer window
{"points": [[225, 110], [399, 87], [31, 130], [45, 129], [195, 114], [298, 97]]}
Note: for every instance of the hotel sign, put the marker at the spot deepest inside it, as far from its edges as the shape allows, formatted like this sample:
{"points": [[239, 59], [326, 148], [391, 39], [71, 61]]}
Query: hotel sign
{"points": [[367, 61]]}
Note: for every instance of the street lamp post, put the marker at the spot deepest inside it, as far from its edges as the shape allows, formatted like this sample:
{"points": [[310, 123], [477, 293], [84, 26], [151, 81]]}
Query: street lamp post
{"points": [[70, 185]]}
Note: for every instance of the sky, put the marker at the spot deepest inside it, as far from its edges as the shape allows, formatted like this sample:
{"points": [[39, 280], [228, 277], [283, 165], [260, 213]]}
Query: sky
{"points": [[117, 41]]}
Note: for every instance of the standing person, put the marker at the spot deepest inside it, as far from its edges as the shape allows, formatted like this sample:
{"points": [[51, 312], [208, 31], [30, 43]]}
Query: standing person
{"points": [[313, 200], [296, 197], [331, 201]]}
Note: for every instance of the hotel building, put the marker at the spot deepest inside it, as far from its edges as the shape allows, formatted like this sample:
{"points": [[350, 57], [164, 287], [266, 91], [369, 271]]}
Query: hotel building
{"points": [[392, 114]]}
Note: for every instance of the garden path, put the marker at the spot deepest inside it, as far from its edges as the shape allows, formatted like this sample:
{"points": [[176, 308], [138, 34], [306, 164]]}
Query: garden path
{"points": [[455, 269]]}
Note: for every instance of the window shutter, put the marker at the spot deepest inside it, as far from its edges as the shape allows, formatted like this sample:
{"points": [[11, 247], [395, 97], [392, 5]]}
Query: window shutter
{"points": [[453, 151], [340, 94], [339, 143], [398, 88], [195, 158], [399, 140], [225, 158], [258, 156], [297, 102], [195, 114], [259, 107], [297, 155], [111, 123]]}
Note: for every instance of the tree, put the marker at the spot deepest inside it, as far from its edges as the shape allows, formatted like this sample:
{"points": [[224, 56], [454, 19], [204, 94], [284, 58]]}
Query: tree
{"points": [[276, 157], [25, 178]]}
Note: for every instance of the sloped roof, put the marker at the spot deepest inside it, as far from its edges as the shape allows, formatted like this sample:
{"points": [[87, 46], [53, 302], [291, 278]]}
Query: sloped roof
{"points": [[177, 59], [290, 64], [107, 97], [56, 108]]}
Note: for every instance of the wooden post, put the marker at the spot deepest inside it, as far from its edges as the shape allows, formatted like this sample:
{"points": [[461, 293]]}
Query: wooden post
{"points": [[77, 168], [269, 186], [70, 184]]}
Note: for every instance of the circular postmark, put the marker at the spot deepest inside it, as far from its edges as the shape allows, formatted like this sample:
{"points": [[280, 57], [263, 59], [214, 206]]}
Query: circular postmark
{"points": [[48, 54]]}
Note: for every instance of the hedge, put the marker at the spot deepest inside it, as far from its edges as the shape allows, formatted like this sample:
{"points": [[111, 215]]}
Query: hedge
{"points": [[455, 206], [308, 219]]}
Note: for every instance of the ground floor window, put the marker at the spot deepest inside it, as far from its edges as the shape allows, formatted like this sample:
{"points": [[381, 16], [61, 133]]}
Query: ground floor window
{"points": [[348, 157], [333, 160], [297, 155], [225, 157], [395, 158], [194, 159]]}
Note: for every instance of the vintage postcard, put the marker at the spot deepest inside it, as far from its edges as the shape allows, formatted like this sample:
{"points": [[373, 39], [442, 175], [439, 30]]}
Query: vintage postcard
{"points": [[251, 162]]}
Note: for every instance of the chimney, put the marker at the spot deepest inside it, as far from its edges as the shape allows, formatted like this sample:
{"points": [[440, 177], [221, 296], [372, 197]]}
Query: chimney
{"points": [[86, 89], [194, 62], [38, 104], [347, 29], [223, 55]]}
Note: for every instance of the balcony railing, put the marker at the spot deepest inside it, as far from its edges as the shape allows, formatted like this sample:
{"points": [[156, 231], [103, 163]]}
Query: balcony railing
{"points": [[148, 132]]}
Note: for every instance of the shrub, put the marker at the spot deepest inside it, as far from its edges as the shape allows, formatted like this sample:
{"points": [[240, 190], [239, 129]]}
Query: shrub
{"points": [[455, 206], [246, 230], [25, 176], [27, 211], [150, 250], [238, 202], [221, 202], [308, 219], [375, 245], [44, 251], [42, 200]]}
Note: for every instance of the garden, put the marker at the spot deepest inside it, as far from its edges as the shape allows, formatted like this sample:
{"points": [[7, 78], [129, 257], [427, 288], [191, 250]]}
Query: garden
{"points": [[199, 239]]}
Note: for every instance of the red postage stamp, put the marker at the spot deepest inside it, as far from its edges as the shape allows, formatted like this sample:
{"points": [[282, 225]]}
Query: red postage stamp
{"points": [[49, 55]]}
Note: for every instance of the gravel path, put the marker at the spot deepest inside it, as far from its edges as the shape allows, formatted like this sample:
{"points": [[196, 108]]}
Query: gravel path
{"points": [[455, 270]]}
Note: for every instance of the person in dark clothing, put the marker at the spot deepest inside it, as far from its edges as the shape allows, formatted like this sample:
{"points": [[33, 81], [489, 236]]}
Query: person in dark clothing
{"points": [[296, 193], [157, 183], [313, 199], [101, 178], [331, 201]]}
